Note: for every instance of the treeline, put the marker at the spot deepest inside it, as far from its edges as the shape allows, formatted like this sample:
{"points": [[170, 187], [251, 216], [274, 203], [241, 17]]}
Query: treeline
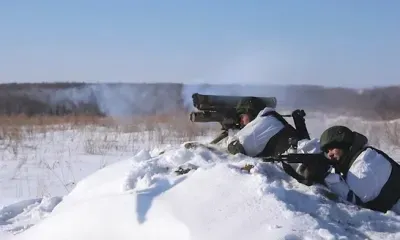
{"points": [[17, 105], [73, 98], [379, 103], [60, 99]]}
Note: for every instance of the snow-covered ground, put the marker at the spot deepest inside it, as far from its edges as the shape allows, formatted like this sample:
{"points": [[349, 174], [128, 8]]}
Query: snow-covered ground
{"points": [[99, 183]]}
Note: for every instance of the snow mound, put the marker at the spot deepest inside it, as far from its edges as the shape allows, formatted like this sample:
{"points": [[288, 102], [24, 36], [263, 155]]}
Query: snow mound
{"points": [[22, 215], [142, 198]]}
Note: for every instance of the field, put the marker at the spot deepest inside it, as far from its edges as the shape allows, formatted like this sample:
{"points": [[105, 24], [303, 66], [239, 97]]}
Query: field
{"points": [[43, 158], [46, 156]]}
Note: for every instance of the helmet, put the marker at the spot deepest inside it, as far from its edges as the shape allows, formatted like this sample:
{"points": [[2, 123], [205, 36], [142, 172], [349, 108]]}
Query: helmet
{"points": [[336, 137], [251, 105]]}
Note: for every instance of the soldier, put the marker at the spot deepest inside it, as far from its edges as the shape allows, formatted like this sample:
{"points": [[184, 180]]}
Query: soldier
{"points": [[266, 133], [364, 175]]}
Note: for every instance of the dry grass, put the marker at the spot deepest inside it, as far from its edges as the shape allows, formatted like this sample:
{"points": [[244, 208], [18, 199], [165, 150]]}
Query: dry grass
{"points": [[381, 134], [392, 132], [102, 133], [105, 135], [29, 140]]}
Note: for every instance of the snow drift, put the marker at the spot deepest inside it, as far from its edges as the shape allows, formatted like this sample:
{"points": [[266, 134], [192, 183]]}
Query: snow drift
{"points": [[141, 198]]}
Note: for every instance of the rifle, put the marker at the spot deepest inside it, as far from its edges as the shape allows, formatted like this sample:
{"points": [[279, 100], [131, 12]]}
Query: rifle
{"points": [[313, 167], [305, 158]]}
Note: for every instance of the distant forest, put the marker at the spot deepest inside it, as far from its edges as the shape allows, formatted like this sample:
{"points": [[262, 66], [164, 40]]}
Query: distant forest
{"points": [[104, 99]]}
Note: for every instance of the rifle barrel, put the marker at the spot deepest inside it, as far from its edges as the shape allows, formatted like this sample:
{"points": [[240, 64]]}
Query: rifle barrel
{"points": [[300, 158]]}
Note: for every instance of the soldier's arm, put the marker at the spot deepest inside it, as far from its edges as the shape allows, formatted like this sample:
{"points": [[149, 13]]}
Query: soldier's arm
{"points": [[338, 186]]}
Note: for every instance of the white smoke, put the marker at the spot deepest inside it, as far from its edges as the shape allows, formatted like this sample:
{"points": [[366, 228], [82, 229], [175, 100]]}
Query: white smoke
{"points": [[122, 99], [253, 69], [114, 99]]}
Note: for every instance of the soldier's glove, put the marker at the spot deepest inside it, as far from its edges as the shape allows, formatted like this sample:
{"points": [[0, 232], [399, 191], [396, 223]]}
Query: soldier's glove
{"points": [[315, 172], [247, 167], [299, 112], [182, 171], [236, 147]]}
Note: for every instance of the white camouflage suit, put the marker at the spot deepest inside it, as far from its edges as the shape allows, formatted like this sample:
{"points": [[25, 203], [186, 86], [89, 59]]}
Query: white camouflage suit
{"points": [[365, 178], [257, 133]]}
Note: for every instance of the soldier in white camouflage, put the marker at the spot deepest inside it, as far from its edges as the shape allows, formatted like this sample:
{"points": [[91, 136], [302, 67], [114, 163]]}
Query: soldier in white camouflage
{"points": [[364, 175], [265, 132]]}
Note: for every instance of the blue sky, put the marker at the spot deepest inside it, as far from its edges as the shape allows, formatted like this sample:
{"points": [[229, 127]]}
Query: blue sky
{"points": [[332, 43]]}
